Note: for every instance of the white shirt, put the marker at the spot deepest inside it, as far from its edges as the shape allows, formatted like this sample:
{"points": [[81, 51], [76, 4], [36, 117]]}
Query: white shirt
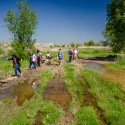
{"points": [[34, 58]]}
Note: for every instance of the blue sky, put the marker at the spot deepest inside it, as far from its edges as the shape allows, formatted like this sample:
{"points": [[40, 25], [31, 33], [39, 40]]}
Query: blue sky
{"points": [[62, 20]]}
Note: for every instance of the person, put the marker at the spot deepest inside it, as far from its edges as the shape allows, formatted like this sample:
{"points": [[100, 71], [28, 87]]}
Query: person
{"points": [[48, 58], [34, 60], [16, 64], [30, 60], [70, 54], [75, 54], [39, 56], [60, 57]]}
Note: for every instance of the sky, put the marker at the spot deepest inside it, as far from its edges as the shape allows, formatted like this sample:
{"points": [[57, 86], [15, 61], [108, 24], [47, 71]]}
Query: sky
{"points": [[62, 21]]}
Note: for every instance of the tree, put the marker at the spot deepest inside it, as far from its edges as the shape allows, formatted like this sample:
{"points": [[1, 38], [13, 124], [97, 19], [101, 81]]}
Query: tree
{"points": [[89, 43], [105, 43], [22, 25], [115, 27]]}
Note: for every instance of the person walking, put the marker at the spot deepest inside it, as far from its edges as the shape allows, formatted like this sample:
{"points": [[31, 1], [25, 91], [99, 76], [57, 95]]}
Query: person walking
{"points": [[16, 65], [60, 57], [30, 60], [70, 54], [48, 58], [75, 54], [34, 60], [39, 56]]}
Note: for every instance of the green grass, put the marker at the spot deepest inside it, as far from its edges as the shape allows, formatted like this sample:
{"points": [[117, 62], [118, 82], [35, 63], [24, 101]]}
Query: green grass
{"points": [[109, 97], [120, 64], [92, 52], [74, 85], [86, 116]]}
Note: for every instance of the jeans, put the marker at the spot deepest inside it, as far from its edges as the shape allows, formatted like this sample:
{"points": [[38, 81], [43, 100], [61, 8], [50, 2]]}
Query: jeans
{"points": [[30, 66], [70, 58], [17, 68], [34, 64]]}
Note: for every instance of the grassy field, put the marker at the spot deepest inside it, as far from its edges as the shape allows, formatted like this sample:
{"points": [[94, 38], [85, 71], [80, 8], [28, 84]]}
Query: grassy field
{"points": [[94, 100]]}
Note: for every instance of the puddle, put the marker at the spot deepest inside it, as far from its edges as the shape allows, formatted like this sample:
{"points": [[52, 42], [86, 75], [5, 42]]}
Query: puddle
{"points": [[57, 92], [23, 92], [38, 118], [115, 75], [7, 93], [90, 100], [95, 66]]}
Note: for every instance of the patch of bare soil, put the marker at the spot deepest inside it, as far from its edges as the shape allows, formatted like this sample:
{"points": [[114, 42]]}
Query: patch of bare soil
{"points": [[67, 118]]}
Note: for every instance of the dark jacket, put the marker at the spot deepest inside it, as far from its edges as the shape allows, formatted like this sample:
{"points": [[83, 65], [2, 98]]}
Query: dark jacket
{"points": [[15, 60]]}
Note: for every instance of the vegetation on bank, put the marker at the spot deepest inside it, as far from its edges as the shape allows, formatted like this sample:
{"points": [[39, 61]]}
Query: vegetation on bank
{"points": [[109, 97]]}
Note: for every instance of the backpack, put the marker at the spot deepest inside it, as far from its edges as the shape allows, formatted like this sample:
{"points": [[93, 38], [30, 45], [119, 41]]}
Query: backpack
{"points": [[60, 55]]}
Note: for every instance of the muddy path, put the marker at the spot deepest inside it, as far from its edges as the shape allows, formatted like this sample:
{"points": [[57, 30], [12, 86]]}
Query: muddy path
{"points": [[57, 92], [12, 87]]}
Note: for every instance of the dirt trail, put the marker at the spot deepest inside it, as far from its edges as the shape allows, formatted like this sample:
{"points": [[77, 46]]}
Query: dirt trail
{"points": [[57, 92], [19, 86]]}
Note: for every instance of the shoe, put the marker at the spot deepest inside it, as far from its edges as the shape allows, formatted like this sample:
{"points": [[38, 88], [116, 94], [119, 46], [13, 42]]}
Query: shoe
{"points": [[15, 77]]}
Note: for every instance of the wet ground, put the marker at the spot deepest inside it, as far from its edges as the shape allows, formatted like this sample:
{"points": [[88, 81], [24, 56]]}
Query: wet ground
{"points": [[56, 91], [23, 92], [115, 75]]}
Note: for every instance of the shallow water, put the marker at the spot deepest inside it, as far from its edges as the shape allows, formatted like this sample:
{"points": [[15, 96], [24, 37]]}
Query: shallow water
{"points": [[115, 75], [57, 92], [23, 92]]}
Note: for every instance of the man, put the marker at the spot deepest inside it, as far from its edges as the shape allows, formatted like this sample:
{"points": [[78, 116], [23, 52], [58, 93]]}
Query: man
{"points": [[16, 64], [60, 57], [34, 60]]}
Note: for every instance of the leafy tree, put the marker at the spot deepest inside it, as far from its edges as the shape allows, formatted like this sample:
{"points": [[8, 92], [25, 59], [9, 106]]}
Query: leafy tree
{"points": [[73, 45], [105, 43], [115, 27], [22, 25], [89, 43]]}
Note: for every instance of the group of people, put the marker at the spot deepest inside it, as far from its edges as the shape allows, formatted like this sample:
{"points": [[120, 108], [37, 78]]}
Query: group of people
{"points": [[36, 59], [73, 54]]}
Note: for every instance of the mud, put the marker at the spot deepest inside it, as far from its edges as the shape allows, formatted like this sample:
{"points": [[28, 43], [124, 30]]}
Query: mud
{"points": [[23, 93], [38, 118], [56, 91], [90, 100]]}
